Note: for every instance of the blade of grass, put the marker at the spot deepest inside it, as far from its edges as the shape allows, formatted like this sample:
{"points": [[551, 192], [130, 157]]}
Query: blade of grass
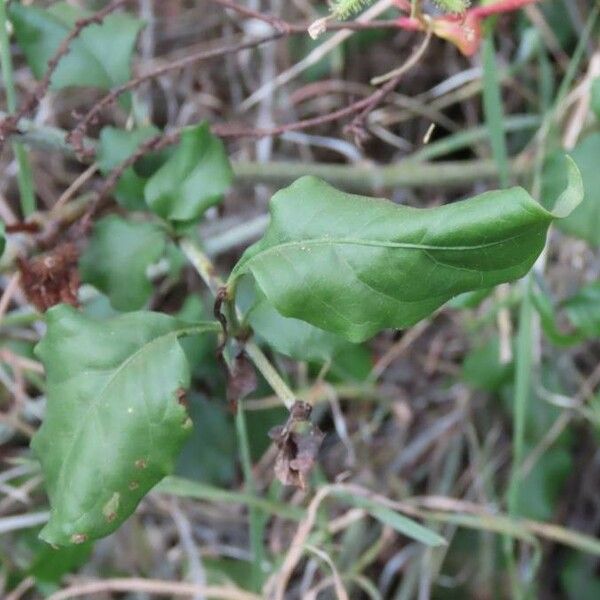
{"points": [[465, 139], [186, 488], [494, 116], [492, 107], [256, 516], [394, 519], [25, 175]]}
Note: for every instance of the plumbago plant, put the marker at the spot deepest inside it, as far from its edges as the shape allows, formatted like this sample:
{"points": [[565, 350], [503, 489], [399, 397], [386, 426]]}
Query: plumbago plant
{"points": [[332, 268], [343, 266]]}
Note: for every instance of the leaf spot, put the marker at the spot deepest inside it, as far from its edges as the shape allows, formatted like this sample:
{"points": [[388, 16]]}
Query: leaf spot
{"points": [[111, 508], [141, 463], [79, 538], [133, 485]]}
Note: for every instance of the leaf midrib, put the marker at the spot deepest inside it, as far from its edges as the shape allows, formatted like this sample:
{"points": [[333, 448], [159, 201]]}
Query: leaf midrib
{"points": [[330, 241]]}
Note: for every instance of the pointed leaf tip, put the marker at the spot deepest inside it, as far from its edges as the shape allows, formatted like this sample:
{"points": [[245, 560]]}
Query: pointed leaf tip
{"points": [[573, 194]]}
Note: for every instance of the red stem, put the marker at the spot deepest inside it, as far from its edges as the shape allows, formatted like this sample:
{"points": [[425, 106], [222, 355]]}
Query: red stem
{"points": [[499, 7]]}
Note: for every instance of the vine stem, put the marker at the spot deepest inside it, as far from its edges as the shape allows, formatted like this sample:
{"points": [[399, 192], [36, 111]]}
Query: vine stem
{"points": [[25, 175], [207, 272]]}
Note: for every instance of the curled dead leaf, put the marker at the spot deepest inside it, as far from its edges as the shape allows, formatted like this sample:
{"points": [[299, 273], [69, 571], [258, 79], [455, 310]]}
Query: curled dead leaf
{"points": [[298, 442], [241, 379], [51, 278]]}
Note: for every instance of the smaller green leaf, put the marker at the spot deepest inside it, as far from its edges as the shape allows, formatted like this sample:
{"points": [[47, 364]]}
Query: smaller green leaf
{"points": [[541, 488], [117, 258], [584, 222], [583, 310], [483, 369], [395, 520], [579, 577], [210, 453], [114, 423], [545, 308], [115, 146], [192, 180], [100, 57]]}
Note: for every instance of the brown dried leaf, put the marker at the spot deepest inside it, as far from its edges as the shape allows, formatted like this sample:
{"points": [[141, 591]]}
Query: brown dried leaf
{"points": [[298, 442], [51, 278], [242, 379]]}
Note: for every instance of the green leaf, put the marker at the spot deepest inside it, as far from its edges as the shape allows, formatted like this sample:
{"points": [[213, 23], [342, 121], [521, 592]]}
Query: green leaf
{"points": [[354, 265], [545, 308], [395, 520], [483, 369], [52, 564], [115, 146], [541, 488], [210, 454], [192, 180], [294, 338], [100, 57], [583, 310], [114, 424], [117, 258], [584, 222], [579, 578]]}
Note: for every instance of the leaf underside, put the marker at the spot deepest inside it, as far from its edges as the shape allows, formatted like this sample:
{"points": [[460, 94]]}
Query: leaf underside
{"points": [[354, 265], [114, 425]]}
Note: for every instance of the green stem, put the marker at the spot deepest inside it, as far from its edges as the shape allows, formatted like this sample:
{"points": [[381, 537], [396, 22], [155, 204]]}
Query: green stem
{"points": [[206, 270], [492, 106], [523, 381], [25, 175], [255, 515], [445, 175], [262, 363]]}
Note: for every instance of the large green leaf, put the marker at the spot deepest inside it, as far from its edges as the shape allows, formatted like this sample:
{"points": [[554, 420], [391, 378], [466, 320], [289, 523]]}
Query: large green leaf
{"points": [[117, 258], [194, 178], [115, 146], [100, 57], [584, 223], [354, 265], [114, 424]]}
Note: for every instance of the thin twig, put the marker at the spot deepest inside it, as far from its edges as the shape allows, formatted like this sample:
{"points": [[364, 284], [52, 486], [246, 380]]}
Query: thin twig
{"points": [[76, 136], [153, 586], [75, 186], [207, 272], [9, 124], [9, 291], [409, 64]]}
